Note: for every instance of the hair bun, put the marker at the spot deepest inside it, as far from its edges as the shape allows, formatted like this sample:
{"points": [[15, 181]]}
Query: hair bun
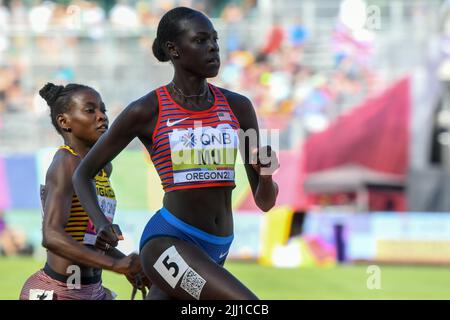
{"points": [[158, 51], [50, 93]]}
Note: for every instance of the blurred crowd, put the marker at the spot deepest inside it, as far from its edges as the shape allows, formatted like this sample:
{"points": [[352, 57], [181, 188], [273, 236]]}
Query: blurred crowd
{"points": [[276, 72], [124, 14], [283, 85], [13, 241], [44, 33]]}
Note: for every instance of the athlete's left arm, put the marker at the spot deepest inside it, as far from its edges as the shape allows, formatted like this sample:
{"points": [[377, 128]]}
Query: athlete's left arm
{"points": [[260, 162], [138, 280], [109, 169]]}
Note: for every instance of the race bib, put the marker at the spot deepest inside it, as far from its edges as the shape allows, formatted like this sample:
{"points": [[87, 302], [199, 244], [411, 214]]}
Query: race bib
{"points": [[171, 266], [108, 207], [42, 194], [203, 154], [39, 294]]}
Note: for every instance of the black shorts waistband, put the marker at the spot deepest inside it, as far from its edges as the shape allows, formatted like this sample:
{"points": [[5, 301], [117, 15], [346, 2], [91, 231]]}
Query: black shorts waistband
{"points": [[62, 278]]}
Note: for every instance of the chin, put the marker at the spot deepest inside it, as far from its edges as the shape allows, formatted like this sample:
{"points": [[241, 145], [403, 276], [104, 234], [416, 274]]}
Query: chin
{"points": [[212, 73], [96, 138]]}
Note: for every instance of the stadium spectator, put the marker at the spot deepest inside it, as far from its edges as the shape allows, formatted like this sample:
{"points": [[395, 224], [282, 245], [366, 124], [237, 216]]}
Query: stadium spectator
{"points": [[4, 26], [40, 16], [274, 39], [13, 241], [124, 16], [19, 14], [232, 15]]}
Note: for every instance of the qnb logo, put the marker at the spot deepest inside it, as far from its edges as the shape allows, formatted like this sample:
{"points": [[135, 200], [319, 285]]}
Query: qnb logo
{"points": [[189, 140], [374, 280], [208, 138], [216, 138]]}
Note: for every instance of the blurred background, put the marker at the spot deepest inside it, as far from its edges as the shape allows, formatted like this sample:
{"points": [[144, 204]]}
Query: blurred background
{"points": [[354, 95]]}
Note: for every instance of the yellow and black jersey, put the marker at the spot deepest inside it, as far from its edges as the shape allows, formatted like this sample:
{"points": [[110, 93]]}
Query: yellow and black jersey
{"points": [[79, 226]]}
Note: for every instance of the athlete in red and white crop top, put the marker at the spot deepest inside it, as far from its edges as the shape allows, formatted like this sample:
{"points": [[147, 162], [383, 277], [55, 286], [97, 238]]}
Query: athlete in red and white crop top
{"points": [[191, 130], [194, 149]]}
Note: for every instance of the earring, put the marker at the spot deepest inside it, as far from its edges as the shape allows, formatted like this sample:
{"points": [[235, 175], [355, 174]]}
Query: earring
{"points": [[67, 129], [176, 55]]}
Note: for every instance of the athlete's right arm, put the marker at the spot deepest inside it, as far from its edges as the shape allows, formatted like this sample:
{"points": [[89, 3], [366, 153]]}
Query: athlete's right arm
{"points": [[134, 121], [57, 204]]}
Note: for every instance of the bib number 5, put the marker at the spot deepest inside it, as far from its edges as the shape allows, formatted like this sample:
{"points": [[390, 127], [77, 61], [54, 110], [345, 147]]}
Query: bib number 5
{"points": [[171, 266]]}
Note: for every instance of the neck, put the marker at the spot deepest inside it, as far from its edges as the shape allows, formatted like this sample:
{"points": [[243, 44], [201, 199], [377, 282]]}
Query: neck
{"points": [[190, 85], [80, 148]]}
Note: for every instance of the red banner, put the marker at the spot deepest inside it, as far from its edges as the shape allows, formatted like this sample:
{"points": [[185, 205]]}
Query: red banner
{"points": [[374, 134]]}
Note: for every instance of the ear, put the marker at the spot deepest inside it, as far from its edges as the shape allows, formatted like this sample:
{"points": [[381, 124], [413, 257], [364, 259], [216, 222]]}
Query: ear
{"points": [[63, 122], [172, 50]]}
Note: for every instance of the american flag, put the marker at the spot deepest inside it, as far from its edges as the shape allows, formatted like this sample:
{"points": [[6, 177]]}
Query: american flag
{"points": [[224, 116]]}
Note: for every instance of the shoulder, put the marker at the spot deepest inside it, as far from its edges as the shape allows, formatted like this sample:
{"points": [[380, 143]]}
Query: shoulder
{"points": [[62, 168], [242, 108], [146, 106], [236, 100], [108, 168], [138, 116]]}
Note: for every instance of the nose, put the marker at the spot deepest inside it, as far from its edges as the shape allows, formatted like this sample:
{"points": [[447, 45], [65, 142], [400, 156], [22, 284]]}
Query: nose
{"points": [[101, 116], [213, 46]]}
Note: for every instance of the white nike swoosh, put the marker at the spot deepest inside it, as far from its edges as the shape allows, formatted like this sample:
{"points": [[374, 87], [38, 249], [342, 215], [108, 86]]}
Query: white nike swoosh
{"points": [[169, 124], [223, 255]]}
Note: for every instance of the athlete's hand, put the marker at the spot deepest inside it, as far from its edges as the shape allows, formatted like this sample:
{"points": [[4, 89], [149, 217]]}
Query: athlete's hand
{"points": [[139, 282], [108, 235], [129, 265], [265, 161]]}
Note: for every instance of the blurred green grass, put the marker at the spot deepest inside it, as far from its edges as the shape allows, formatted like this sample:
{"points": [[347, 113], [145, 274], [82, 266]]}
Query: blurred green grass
{"points": [[341, 282]]}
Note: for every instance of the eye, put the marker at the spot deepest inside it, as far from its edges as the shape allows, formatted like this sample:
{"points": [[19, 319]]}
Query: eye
{"points": [[199, 40], [89, 110], [103, 108]]}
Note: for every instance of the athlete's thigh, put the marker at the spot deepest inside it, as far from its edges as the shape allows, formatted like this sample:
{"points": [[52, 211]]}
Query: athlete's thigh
{"points": [[156, 293], [184, 271]]}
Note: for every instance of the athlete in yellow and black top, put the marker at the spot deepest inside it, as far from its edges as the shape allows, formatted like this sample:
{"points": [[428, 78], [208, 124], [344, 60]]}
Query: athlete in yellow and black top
{"points": [[74, 250], [79, 226]]}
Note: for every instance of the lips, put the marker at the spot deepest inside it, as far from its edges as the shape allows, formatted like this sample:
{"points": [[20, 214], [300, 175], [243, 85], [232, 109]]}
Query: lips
{"points": [[213, 60], [103, 127]]}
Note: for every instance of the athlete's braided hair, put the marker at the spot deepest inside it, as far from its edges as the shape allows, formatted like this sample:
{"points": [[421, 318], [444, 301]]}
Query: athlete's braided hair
{"points": [[59, 99], [169, 28]]}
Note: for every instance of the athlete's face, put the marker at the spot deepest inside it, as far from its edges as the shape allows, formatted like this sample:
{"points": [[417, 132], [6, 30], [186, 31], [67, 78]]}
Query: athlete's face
{"points": [[87, 116], [197, 47]]}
